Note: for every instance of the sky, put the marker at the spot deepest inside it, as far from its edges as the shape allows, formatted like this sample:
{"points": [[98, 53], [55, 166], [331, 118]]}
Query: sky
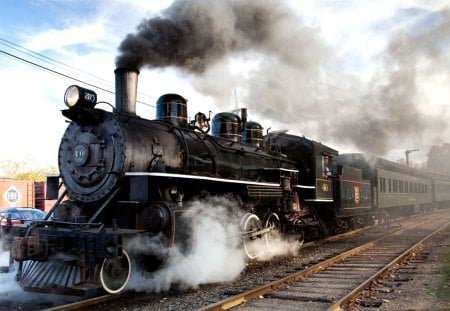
{"points": [[359, 76]]}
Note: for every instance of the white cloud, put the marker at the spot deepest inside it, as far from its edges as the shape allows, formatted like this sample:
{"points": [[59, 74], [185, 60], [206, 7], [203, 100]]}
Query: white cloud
{"points": [[55, 39], [30, 119]]}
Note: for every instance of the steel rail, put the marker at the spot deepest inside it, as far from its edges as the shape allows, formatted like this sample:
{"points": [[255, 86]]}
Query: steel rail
{"points": [[77, 305], [338, 305], [254, 293], [110, 297], [239, 299]]}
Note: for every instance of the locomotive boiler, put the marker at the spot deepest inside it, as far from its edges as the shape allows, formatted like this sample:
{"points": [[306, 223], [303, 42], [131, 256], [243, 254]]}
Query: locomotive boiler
{"points": [[127, 178]]}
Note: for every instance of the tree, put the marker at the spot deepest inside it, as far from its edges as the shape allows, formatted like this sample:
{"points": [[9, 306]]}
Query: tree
{"points": [[22, 170], [438, 159]]}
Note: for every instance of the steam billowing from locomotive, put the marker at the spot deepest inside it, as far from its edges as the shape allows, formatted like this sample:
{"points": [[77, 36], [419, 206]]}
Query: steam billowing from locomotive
{"points": [[293, 68]]}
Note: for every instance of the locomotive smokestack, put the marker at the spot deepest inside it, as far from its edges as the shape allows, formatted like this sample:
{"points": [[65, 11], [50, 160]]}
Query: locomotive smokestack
{"points": [[126, 90]]}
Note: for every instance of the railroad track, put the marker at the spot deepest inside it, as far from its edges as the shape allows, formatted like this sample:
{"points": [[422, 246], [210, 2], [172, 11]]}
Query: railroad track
{"points": [[331, 284], [241, 301]]}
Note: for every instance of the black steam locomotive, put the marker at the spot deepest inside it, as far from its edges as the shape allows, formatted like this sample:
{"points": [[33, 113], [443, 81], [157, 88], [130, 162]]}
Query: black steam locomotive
{"points": [[126, 177]]}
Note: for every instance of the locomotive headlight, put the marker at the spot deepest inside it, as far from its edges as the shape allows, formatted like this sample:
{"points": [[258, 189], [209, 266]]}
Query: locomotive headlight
{"points": [[76, 96]]}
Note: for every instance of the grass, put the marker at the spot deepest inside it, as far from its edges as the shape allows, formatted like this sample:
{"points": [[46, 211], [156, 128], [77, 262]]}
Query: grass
{"points": [[443, 291]]}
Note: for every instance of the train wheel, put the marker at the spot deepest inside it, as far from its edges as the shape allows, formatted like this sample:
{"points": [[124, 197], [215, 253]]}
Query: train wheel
{"points": [[359, 222], [115, 273], [252, 244], [273, 237], [300, 237], [341, 225]]}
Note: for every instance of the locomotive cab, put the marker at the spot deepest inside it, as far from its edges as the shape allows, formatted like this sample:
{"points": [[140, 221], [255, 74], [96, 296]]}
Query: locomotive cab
{"points": [[314, 160]]}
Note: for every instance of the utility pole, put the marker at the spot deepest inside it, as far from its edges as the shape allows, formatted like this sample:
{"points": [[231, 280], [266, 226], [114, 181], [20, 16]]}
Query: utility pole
{"points": [[407, 152]]}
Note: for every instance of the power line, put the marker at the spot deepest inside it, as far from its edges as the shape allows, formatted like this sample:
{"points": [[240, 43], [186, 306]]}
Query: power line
{"points": [[58, 73], [51, 70], [47, 59]]}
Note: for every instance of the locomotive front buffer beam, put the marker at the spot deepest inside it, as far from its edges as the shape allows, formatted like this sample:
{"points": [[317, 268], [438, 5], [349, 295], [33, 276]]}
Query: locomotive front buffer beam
{"points": [[79, 251]]}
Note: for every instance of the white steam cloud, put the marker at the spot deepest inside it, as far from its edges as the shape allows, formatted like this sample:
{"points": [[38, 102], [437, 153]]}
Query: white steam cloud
{"points": [[275, 245], [216, 255]]}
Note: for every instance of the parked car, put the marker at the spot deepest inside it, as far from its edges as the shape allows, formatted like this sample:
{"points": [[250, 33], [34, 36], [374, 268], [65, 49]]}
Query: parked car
{"points": [[19, 215]]}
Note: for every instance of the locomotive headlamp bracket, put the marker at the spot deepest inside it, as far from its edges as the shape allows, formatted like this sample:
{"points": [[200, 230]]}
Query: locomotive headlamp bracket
{"points": [[77, 96]]}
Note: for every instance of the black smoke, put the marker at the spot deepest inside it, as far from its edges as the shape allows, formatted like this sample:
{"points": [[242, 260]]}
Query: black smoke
{"points": [[195, 34], [297, 81]]}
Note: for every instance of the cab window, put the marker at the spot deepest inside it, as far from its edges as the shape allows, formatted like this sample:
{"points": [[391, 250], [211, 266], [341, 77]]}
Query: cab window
{"points": [[326, 166]]}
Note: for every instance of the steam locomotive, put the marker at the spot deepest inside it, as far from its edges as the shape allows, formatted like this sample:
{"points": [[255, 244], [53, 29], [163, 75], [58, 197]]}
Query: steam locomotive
{"points": [[126, 177]]}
